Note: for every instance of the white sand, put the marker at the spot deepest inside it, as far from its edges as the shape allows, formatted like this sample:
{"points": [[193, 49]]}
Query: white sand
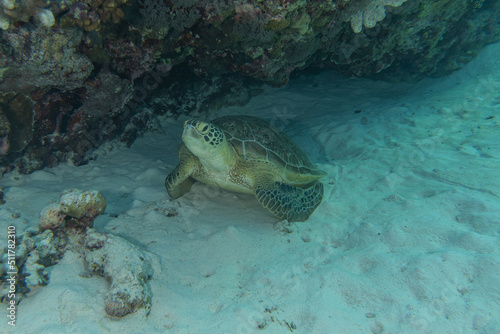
{"points": [[406, 240]]}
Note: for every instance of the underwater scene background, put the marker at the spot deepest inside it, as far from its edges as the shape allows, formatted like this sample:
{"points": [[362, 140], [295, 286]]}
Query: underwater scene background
{"points": [[397, 101]]}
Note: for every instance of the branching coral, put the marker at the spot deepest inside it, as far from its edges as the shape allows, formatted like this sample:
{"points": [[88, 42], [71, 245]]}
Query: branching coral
{"points": [[367, 12], [23, 10]]}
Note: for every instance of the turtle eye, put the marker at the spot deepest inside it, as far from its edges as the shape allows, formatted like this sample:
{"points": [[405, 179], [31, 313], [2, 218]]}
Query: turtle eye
{"points": [[202, 127]]}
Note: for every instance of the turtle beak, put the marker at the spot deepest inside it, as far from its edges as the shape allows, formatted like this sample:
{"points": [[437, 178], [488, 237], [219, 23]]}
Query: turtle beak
{"points": [[189, 130], [189, 125], [191, 136], [194, 140]]}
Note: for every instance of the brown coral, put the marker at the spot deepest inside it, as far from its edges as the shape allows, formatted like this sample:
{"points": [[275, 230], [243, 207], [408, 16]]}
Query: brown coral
{"points": [[110, 10], [90, 14]]}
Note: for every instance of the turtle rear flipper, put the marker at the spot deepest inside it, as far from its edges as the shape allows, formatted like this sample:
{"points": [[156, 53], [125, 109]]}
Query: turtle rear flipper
{"points": [[179, 181], [288, 202]]}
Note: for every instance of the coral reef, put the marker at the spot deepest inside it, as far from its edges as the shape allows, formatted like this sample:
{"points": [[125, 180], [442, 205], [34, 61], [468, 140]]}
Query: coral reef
{"points": [[69, 124], [160, 17], [75, 74], [22, 10], [419, 38], [91, 15], [126, 266], [90, 74], [268, 40], [99, 117], [367, 12], [67, 224], [34, 59], [190, 95], [130, 59]]}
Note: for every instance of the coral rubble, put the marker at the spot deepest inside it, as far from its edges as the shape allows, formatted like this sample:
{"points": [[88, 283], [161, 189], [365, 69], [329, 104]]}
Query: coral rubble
{"points": [[67, 225], [126, 266], [35, 251], [44, 246]]}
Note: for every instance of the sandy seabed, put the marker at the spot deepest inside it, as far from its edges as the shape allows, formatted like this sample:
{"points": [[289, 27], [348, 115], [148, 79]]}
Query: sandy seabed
{"points": [[405, 241]]}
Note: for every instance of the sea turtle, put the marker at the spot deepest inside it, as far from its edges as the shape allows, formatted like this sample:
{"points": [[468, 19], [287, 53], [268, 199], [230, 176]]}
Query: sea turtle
{"points": [[247, 155]]}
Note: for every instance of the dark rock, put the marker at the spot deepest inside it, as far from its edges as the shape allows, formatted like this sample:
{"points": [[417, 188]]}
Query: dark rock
{"points": [[16, 116]]}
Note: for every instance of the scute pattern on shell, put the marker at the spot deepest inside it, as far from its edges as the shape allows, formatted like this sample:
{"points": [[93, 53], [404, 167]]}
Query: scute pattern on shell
{"points": [[254, 138]]}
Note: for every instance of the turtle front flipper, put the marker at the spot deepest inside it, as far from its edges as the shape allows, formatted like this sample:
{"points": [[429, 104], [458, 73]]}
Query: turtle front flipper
{"points": [[179, 181], [288, 202]]}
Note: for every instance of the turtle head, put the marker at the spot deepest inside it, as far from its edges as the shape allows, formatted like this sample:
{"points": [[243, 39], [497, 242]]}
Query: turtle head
{"points": [[203, 139]]}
